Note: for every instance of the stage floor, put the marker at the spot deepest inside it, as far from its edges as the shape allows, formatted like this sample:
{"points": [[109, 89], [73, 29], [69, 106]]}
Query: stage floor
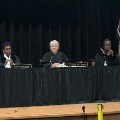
{"points": [[57, 110]]}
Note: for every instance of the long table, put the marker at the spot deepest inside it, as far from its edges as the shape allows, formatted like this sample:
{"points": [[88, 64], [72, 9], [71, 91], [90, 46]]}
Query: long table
{"points": [[49, 86]]}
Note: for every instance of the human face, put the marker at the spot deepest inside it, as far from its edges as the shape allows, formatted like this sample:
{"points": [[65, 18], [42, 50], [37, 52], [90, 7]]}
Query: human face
{"points": [[54, 48], [7, 50], [107, 45]]}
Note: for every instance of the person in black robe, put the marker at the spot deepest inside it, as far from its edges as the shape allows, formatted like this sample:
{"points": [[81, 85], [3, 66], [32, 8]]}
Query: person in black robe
{"points": [[7, 59], [106, 54], [54, 58]]}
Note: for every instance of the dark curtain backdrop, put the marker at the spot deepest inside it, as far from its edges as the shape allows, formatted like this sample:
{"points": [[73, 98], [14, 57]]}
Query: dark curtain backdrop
{"points": [[79, 25]]}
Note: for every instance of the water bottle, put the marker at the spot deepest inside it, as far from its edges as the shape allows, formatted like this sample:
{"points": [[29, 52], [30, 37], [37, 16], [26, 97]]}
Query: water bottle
{"points": [[63, 64], [105, 63]]}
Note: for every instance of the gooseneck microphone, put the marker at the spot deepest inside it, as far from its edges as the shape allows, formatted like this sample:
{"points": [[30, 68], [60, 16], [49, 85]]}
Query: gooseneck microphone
{"points": [[51, 59], [84, 116], [83, 108]]}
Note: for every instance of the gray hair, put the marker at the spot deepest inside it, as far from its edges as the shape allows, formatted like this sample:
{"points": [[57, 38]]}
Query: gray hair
{"points": [[54, 41]]}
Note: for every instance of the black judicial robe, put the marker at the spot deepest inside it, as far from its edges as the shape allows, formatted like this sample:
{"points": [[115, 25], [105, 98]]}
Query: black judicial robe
{"points": [[101, 57], [50, 58], [15, 59]]}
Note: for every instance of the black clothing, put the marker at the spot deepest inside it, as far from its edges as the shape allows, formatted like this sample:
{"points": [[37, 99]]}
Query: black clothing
{"points": [[15, 59], [50, 58], [101, 57]]}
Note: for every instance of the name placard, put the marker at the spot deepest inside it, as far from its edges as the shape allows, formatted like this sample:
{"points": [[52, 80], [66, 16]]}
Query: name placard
{"points": [[22, 66], [81, 64]]}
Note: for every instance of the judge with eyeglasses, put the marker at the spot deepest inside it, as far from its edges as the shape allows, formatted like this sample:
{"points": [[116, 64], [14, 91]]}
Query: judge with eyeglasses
{"points": [[7, 58]]}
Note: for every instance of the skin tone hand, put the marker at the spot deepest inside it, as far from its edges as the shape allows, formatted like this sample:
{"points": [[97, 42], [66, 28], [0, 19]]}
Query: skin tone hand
{"points": [[55, 65], [11, 61], [110, 52]]}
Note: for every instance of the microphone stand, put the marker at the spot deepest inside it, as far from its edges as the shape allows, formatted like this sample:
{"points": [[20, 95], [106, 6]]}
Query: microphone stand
{"points": [[51, 59], [84, 116]]}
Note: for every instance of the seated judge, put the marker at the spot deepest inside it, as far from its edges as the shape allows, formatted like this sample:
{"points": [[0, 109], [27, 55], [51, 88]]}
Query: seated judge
{"points": [[54, 58], [107, 55], [7, 58]]}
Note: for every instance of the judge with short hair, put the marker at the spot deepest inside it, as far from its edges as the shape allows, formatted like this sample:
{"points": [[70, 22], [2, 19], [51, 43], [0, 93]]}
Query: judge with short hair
{"points": [[107, 55], [54, 58]]}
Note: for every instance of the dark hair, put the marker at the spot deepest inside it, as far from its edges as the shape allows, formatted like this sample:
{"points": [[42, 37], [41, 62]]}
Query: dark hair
{"points": [[6, 44], [107, 39]]}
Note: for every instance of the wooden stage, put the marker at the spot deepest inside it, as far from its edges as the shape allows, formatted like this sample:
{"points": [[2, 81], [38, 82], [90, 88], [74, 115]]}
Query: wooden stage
{"points": [[62, 112]]}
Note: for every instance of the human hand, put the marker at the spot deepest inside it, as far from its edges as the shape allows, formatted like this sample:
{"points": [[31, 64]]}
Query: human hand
{"points": [[110, 52], [11, 62], [6, 61], [55, 65]]}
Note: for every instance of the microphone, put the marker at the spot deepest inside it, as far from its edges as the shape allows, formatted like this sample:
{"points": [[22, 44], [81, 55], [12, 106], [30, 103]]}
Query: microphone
{"points": [[84, 116], [51, 59], [83, 108]]}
